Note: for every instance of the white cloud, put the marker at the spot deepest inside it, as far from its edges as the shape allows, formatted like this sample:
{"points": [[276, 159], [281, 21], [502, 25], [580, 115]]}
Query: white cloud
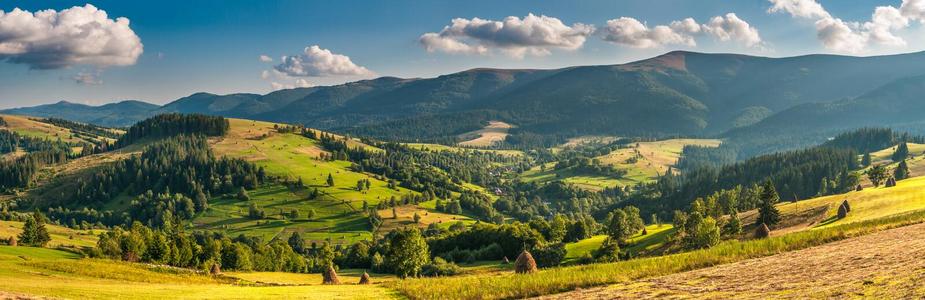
{"points": [[299, 83], [534, 35], [856, 37], [264, 58], [730, 27], [807, 9], [318, 62], [88, 78], [81, 35], [630, 32]]}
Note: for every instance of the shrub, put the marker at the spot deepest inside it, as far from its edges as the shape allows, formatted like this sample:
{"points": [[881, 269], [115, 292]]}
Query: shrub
{"points": [[608, 252], [842, 211], [440, 267], [329, 276], [763, 231], [549, 256], [524, 263]]}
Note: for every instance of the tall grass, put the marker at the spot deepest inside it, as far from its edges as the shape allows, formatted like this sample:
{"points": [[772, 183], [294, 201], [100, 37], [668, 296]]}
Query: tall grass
{"points": [[558, 280]]}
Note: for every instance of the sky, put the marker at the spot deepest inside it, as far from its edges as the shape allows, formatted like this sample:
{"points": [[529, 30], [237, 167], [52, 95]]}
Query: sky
{"points": [[158, 51]]}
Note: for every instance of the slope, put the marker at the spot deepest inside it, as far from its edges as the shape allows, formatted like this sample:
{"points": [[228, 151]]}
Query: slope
{"points": [[117, 114]]}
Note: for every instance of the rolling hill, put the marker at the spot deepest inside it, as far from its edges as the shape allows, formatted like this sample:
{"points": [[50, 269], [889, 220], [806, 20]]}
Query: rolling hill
{"points": [[678, 93]]}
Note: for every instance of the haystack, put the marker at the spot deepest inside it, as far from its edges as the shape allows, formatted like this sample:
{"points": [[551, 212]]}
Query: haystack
{"points": [[842, 211], [365, 278], [524, 263], [329, 276], [215, 270], [846, 205], [12, 241], [859, 188], [762, 231]]}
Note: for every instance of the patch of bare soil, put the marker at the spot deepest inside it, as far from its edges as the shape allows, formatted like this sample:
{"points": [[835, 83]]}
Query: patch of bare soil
{"points": [[884, 265]]}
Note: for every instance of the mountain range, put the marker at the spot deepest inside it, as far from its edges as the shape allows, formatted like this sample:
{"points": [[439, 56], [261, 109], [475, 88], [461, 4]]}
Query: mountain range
{"points": [[678, 93]]}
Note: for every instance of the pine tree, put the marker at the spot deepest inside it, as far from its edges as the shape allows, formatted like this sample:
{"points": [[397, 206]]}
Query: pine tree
{"points": [[901, 153], [767, 212], [902, 171], [865, 161], [34, 232]]}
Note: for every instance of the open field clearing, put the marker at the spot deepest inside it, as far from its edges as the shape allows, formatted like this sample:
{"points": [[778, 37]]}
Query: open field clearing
{"points": [[24, 126], [884, 265], [637, 245], [557, 280], [60, 236], [494, 132], [652, 158], [439, 147], [428, 216], [869, 204], [31, 272]]}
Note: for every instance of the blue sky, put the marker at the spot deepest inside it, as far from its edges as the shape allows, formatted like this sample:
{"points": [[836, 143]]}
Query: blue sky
{"points": [[214, 46]]}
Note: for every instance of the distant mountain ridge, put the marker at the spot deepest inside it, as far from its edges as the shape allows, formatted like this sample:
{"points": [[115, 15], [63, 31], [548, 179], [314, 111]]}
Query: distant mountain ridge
{"points": [[118, 114], [678, 93]]}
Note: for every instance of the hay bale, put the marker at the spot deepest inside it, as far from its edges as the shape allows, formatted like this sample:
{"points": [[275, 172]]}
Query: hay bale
{"points": [[215, 270], [12, 241], [842, 211], [845, 204], [505, 260], [859, 188], [329, 276], [644, 231], [762, 231], [524, 263], [365, 278]]}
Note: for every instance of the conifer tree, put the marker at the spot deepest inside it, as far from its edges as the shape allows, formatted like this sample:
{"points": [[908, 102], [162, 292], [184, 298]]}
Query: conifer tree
{"points": [[767, 212], [865, 161], [902, 171], [34, 232], [901, 153]]}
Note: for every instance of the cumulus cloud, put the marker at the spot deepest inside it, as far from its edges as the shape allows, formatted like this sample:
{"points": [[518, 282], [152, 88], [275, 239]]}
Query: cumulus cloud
{"points": [[731, 28], [264, 58], [807, 9], [88, 78], [81, 35], [630, 32], [299, 83], [534, 35], [318, 62], [855, 37]]}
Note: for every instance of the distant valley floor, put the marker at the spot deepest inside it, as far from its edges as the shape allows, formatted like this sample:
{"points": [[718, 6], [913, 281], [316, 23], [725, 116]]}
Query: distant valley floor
{"points": [[884, 265]]}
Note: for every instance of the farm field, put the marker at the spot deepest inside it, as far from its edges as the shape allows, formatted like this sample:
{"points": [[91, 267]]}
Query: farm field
{"points": [[29, 272], [494, 132], [638, 245], [885, 265], [653, 159], [439, 147], [60, 236]]}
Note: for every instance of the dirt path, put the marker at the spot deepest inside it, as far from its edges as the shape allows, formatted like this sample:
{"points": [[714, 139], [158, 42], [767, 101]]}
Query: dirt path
{"points": [[884, 265]]}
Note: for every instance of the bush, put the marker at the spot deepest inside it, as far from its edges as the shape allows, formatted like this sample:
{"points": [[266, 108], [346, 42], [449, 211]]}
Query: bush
{"points": [[608, 252], [549, 256], [440, 267]]}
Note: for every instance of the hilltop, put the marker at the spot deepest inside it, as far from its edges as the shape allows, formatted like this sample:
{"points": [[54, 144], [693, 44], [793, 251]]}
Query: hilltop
{"points": [[678, 93]]}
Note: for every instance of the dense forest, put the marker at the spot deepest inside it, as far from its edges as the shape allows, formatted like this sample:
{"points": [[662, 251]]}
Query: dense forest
{"points": [[167, 125], [183, 165]]}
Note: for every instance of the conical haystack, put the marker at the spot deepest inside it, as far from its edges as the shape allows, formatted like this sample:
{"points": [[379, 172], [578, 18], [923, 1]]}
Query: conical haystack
{"points": [[329, 276], [12, 241], [846, 205], [215, 270], [763, 231], [365, 278], [524, 263]]}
